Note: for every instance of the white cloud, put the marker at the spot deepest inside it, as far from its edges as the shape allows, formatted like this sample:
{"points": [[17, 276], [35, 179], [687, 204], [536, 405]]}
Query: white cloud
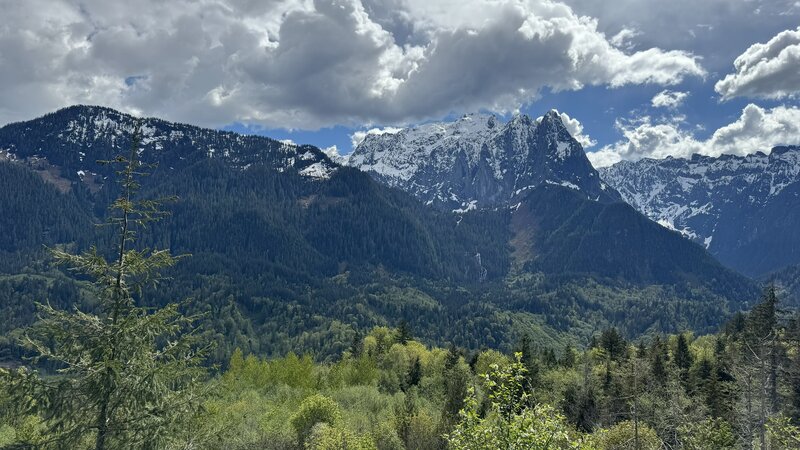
{"points": [[333, 153], [756, 129], [770, 70], [359, 136], [603, 158], [717, 30], [624, 39], [309, 64], [669, 99]]}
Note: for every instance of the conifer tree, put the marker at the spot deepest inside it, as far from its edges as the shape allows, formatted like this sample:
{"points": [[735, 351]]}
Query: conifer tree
{"points": [[525, 349], [456, 381], [683, 359], [756, 370], [414, 373], [404, 333], [127, 376]]}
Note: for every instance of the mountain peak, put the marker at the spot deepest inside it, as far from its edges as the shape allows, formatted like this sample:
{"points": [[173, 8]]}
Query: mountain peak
{"points": [[552, 121], [783, 149], [553, 114], [521, 119], [74, 138], [478, 162]]}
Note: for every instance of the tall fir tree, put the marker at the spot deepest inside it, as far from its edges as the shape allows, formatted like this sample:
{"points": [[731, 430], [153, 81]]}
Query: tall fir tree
{"points": [[128, 376]]}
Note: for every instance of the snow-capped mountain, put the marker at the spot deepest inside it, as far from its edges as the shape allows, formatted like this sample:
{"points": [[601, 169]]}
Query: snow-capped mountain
{"points": [[478, 161], [743, 209], [67, 144]]}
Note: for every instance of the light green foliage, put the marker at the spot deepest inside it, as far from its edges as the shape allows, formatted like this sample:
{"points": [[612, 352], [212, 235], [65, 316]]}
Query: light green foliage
{"points": [[487, 359], [508, 388], [782, 433], [707, 435], [354, 371], [536, 428], [326, 437], [8, 435], [365, 407], [237, 420], [422, 431], [314, 409], [396, 364], [386, 438], [258, 373], [512, 423], [624, 436]]}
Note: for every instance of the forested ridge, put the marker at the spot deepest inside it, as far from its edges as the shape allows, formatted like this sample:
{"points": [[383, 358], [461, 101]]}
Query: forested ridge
{"points": [[171, 308], [280, 261], [738, 388]]}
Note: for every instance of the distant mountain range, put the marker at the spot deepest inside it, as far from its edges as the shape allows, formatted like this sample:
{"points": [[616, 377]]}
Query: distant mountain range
{"points": [[479, 162], [744, 209], [290, 247]]}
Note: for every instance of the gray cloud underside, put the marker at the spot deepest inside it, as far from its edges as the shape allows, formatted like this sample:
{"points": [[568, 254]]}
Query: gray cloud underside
{"points": [[304, 64], [769, 70], [756, 129], [717, 30]]}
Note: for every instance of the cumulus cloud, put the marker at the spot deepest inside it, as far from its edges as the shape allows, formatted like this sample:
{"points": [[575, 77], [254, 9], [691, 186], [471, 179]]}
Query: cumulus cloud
{"points": [[308, 64], [333, 153], [717, 30], [669, 99], [624, 39], [770, 70], [756, 129]]}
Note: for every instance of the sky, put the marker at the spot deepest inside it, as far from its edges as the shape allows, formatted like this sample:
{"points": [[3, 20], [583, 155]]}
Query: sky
{"points": [[634, 78]]}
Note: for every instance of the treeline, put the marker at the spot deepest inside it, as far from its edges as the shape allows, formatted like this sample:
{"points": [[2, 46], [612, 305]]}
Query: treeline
{"points": [[739, 388], [36, 213], [270, 315]]}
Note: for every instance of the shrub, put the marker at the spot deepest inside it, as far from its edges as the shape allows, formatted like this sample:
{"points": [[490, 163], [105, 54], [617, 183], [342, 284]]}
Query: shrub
{"points": [[313, 410]]}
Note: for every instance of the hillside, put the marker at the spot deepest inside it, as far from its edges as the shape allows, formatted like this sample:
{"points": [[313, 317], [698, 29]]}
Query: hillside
{"points": [[744, 209], [286, 257]]}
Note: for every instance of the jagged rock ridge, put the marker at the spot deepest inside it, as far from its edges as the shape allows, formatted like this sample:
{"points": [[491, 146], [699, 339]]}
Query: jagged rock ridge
{"points": [[478, 161], [65, 146], [744, 209]]}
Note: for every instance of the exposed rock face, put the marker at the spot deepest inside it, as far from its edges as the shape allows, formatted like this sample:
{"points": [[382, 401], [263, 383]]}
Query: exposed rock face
{"points": [[744, 209], [479, 162]]}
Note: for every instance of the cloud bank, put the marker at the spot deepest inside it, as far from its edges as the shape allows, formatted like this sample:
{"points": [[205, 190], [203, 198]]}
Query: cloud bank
{"points": [[309, 64], [770, 70], [756, 129]]}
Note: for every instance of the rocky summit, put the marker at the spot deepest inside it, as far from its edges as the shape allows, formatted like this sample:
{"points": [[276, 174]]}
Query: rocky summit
{"points": [[478, 162]]}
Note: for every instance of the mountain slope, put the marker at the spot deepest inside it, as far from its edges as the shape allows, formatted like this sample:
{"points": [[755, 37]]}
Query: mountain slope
{"points": [[282, 259], [478, 162], [744, 210], [35, 212], [73, 139], [573, 235]]}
